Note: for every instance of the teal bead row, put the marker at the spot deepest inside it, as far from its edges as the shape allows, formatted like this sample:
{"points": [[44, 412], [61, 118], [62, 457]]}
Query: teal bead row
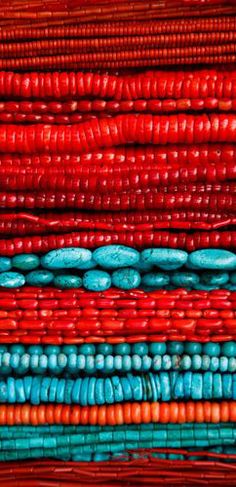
{"points": [[73, 364], [89, 391], [213, 349]]}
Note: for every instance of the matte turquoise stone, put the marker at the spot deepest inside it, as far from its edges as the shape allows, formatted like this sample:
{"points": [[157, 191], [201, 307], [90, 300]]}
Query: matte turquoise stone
{"points": [[96, 280], [67, 281], [25, 262], [39, 278], [215, 278], [193, 348], [215, 259], [115, 256], [155, 279], [232, 277], [126, 278], [212, 349], [11, 279], [229, 349], [140, 348], [157, 348], [184, 279], [5, 264], [67, 258], [166, 259]]}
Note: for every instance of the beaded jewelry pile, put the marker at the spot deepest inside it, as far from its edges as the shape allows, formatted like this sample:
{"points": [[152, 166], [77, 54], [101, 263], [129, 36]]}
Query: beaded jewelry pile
{"points": [[117, 243]]}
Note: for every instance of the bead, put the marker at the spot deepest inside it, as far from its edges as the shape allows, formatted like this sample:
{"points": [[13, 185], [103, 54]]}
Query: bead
{"points": [[39, 278], [122, 349], [184, 279], [140, 349], [166, 259], [157, 348], [5, 264], [116, 256], [86, 349], [25, 262], [66, 258], [215, 278], [96, 280], [193, 348], [67, 281], [175, 347], [213, 259], [104, 348], [126, 278], [155, 279], [211, 349], [11, 279], [229, 349]]}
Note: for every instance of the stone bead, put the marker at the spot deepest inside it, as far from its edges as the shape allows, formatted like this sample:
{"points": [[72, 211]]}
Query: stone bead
{"points": [[11, 279], [155, 279], [66, 258], [116, 256], [39, 278], [229, 349], [157, 348], [184, 279], [104, 348], [215, 278], [215, 259], [166, 259], [232, 277], [175, 347], [140, 348], [193, 348], [212, 349], [25, 262], [126, 278], [96, 280], [67, 281], [122, 349], [5, 264]]}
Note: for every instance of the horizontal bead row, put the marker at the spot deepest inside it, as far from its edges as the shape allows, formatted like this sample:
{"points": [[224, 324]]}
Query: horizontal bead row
{"points": [[165, 386], [128, 413]]}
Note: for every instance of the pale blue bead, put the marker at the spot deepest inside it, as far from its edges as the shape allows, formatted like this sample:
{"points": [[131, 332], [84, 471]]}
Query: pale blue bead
{"points": [[96, 280], [115, 256], [66, 258], [184, 279], [215, 278], [215, 259], [11, 279], [39, 278], [126, 278], [5, 264], [167, 259], [67, 281], [155, 279], [25, 262]]}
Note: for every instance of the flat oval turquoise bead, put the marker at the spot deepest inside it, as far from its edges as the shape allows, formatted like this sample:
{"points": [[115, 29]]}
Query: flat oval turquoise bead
{"points": [[66, 258], [115, 256], [184, 279], [67, 281], [215, 278], [215, 259], [167, 259], [155, 279], [126, 278], [25, 262], [96, 280], [5, 264], [11, 279], [39, 278]]}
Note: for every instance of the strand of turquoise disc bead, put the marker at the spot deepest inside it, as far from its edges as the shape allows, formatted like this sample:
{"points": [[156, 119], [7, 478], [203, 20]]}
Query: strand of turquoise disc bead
{"points": [[164, 386]]}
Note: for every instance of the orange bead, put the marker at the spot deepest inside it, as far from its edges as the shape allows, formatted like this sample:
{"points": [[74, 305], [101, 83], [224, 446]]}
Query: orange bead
{"points": [[225, 411], [49, 414], [3, 414], [93, 415], [84, 415], [155, 412], [119, 414], [146, 412], [199, 412], [111, 420], [127, 413], [136, 413], [207, 411], [75, 414], [215, 412], [102, 415], [190, 412], [42, 414], [174, 411], [182, 413], [164, 413]]}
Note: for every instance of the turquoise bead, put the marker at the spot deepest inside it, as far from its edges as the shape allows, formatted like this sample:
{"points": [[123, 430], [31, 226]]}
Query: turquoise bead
{"points": [[126, 278], [193, 348], [229, 349], [67, 281], [96, 280], [175, 347], [68, 349], [155, 279], [196, 362], [37, 349], [166, 259], [184, 279], [215, 259], [122, 349], [87, 349], [212, 349], [16, 348], [116, 256], [215, 278], [66, 258], [140, 348], [104, 348], [25, 262], [157, 348], [5, 264], [49, 349], [39, 278], [88, 265], [233, 277], [11, 279]]}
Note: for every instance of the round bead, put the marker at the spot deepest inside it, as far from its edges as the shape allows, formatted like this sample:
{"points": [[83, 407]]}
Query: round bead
{"points": [[87, 349], [96, 280], [67, 281], [11, 279], [165, 258], [116, 256], [157, 348], [38, 349], [104, 348], [122, 349], [25, 262], [175, 348], [193, 348], [126, 278], [17, 348], [5, 264], [229, 349], [140, 348], [66, 258], [212, 349], [39, 278]]}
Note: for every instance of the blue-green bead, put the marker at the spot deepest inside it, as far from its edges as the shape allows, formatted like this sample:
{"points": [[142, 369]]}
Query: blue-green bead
{"points": [[184, 279], [45, 389], [212, 349], [91, 264], [166, 362], [11, 279], [215, 278], [206, 361], [109, 394], [91, 391], [108, 363], [11, 392], [227, 386], [54, 389], [126, 363], [104, 348], [229, 349], [75, 394], [136, 362], [16, 348], [152, 390], [3, 392], [90, 366], [39, 278], [69, 349], [61, 360], [68, 391], [142, 266], [197, 385], [207, 386], [217, 387], [122, 349], [99, 361], [38, 349], [186, 362], [214, 364], [99, 391], [165, 386], [165, 258], [66, 258], [27, 381], [196, 362], [35, 392], [155, 279], [146, 363], [175, 347], [232, 364], [5, 264], [67, 281], [116, 256], [118, 362], [224, 365], [60, 391], [126, 389], [193, 348], [83, 398], [25, 262], [87, 349], [215, 259], [14, 360], [187, 384], [96, 280], [140, 348], [80, 361], [157, 348], [232, 277], [126, 278], [157, 362]]}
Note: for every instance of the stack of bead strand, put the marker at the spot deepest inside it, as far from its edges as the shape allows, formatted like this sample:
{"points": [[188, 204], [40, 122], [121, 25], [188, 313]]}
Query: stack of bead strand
{"points": [[117, 248]]}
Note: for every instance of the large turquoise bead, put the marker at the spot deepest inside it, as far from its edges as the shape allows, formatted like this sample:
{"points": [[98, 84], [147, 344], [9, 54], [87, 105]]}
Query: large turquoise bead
{"points": [[155, 279], [11, 279], [96, 280], [67, 281], [215, 259], [39, 278], [5, 264], [25, 262], [166, 259], [67, 258], [115, 256], [126, 278]]}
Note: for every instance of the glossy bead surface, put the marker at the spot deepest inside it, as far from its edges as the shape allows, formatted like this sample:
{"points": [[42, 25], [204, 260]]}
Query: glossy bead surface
{"points": [[165, 258], [25, 262], [11, 279], [66, 258], [115, 256]]}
